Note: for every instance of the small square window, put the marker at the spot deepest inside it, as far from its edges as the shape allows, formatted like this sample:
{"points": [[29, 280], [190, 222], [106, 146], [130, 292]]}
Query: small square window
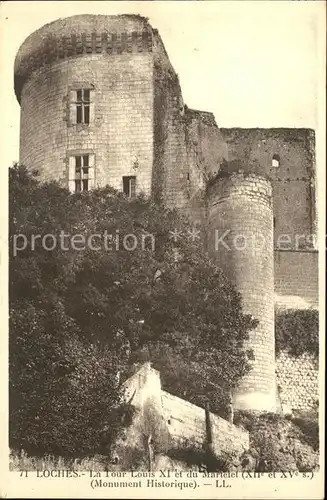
{"points": [[129, 186], [275, 162]]}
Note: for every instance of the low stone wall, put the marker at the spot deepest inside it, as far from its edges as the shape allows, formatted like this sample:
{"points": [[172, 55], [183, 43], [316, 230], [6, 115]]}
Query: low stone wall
{"points": [[297, 379], [172, 421], [186, 422]]}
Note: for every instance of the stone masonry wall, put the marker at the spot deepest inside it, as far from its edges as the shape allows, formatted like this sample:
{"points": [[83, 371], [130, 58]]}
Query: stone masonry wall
{"points": [[296, 287], [297, 379], [186, 423], [294, 181], [121, 129], [296, 280], [240, 213]]}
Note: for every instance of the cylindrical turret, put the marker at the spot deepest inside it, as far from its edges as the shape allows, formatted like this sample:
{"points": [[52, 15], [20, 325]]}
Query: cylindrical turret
{"points": [[241, 232], [85, 86]]}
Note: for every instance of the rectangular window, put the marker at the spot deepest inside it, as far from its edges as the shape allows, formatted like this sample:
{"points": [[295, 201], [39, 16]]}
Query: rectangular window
{"points": [[129, 186], [82, 104], [81, 172]]}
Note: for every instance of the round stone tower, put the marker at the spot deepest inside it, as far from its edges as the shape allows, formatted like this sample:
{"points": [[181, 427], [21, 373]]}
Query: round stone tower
{"points": [[85, 86], [241, 239]]}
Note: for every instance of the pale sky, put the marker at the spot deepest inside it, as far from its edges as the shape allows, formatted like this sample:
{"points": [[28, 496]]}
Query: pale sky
{"points": [[252, 63]]}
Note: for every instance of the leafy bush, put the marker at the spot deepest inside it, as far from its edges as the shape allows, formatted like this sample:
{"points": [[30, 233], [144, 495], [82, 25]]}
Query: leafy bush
{"points": [[309, 426], [297, 332]]}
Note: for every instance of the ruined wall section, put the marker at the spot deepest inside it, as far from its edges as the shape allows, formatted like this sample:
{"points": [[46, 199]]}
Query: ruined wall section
{"points": [[209, 147], [171, 162], [206, 151], [293, 181]]}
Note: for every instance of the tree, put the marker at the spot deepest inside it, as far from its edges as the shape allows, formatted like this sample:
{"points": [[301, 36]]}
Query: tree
{"points": [[297, 332], [99, 282]]}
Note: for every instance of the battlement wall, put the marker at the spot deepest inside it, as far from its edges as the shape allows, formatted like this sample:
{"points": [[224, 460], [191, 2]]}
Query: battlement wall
{"points": [[79, 35]]}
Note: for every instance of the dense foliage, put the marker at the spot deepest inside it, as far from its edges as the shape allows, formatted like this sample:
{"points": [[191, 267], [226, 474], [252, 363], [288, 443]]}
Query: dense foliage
{"points": [[81, 315], [279, 443], [297, 331]]}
